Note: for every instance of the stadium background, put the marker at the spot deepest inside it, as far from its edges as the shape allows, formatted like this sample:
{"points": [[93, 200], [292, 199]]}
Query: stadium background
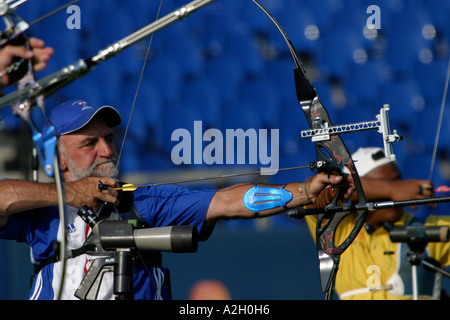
{"points": [[229, 67]]}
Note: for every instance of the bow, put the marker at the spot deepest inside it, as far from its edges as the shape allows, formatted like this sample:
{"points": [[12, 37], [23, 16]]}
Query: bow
{"points": [[332, 154]]}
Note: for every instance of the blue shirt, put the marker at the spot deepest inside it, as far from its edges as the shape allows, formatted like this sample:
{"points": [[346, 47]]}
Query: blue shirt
{"points": [[158, 205]]}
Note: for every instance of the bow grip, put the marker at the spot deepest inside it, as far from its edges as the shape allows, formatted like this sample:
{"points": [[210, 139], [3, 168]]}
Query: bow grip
{"points": [[330, 194], [22, 68], [326, 196]]}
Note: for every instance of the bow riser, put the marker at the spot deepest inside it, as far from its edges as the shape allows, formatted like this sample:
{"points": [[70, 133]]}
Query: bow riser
{"points": [[331, 150]]}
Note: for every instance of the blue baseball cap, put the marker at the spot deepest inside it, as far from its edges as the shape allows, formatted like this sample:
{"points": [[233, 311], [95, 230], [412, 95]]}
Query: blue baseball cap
{"points": [[75, 114]]}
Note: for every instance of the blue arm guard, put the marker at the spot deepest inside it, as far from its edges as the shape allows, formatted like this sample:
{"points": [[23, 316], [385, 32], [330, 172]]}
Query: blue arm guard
{"points": [[263, 198]]}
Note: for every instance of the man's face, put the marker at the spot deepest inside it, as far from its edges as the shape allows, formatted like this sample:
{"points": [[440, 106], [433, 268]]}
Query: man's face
{"points": [[89, 152], [388, 171]]}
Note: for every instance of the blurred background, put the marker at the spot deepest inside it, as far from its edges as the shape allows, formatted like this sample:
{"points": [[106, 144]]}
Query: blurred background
{"points": [[228, 66]]}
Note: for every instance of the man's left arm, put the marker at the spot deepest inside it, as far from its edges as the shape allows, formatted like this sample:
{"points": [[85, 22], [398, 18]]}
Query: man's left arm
{"points": [[228, 203]]}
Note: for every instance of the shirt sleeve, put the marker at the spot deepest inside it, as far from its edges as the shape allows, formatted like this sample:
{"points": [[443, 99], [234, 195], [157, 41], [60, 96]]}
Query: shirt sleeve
{"points": [[16, 228], [38, 228], [170, 205]]}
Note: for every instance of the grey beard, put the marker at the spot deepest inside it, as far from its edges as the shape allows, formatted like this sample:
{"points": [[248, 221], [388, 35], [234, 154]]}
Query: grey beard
{"points": [[92, 171]]}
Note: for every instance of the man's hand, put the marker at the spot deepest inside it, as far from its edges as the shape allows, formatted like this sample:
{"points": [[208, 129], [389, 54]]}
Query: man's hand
{"points": [[319, 182], [86, 192], [39, 53], [411, 189]]}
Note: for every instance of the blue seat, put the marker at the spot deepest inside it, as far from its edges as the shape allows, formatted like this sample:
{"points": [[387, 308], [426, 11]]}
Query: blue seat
{"points": [[325, 12], [301, 27], [280, 72], [363, 82], [204, 95], [404, 97], [242, 116], [423, 128], [131, 159], [108, 78], [167, 74], [337, 51], [113, 24], [262, 95], [89, 89], [352, 16], [184, 47], [243, 48], [226, 74], [440, 11], [180, 116], [431, 78], [406, 42], [218, 21]]}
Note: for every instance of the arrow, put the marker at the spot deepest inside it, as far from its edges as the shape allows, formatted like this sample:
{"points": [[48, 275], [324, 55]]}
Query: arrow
{"points": [[126, 187], [132, 187]]}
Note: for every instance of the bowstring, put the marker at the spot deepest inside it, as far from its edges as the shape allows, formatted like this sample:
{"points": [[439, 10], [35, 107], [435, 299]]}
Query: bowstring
{"points": [[128, 125], [441, 116], [136, 95]]}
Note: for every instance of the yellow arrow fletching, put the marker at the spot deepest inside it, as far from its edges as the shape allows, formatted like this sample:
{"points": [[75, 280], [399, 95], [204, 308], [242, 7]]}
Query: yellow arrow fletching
{"points": [[127, 187]]}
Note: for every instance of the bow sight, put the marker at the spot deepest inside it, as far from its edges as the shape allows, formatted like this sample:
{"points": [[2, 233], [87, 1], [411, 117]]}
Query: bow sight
{"points": [[322, 131]]}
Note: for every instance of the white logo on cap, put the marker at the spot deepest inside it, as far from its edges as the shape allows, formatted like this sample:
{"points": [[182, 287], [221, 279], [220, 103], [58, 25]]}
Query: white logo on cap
{"points": [[84, 104]]}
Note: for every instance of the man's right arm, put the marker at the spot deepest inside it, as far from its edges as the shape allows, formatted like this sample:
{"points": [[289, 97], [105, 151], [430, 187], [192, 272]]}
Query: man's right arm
{"points": [[19, 195]]}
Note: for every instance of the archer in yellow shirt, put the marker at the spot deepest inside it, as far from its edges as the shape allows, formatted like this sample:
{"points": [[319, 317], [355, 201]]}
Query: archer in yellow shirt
{"points": [[374, 267]]}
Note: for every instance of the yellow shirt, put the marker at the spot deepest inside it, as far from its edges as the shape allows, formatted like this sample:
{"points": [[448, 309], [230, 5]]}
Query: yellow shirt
{"points": [[374, 268]]}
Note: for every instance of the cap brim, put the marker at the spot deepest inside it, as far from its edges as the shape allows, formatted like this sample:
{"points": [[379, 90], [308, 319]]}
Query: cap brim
{"points": [[109, 114]]}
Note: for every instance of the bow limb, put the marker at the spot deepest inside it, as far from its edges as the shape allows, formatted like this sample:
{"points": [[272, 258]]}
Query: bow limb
{"points": [[333, 153]]}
